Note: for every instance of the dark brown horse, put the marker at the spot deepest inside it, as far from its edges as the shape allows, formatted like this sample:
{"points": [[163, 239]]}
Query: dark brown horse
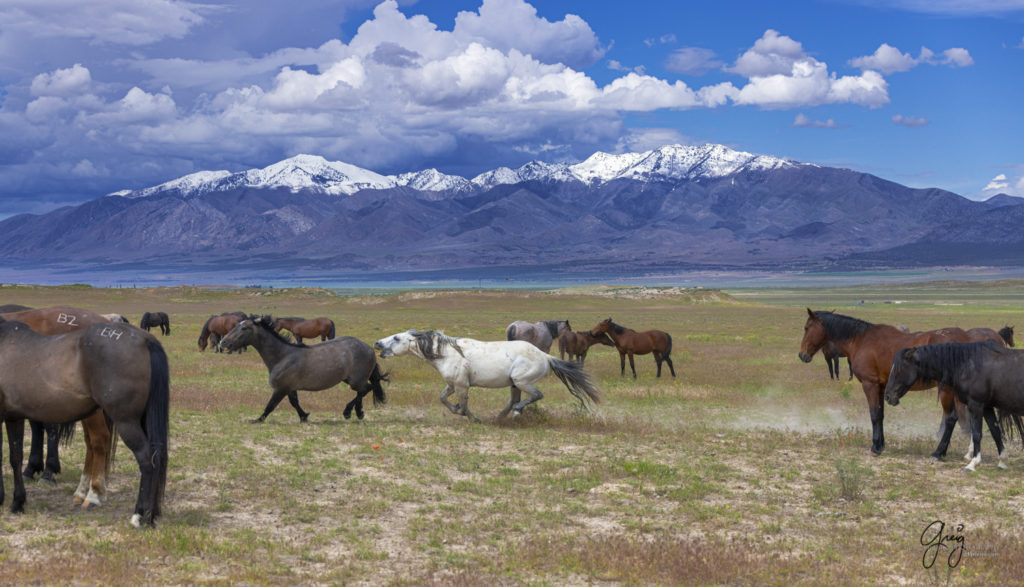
{"points": [[96, 429], [216, 327], [1005, 334], [154, 320], [302, 328], [871, 348], [112, 369], [630, 342], [832, 355], [297, 367], [576, 344]]}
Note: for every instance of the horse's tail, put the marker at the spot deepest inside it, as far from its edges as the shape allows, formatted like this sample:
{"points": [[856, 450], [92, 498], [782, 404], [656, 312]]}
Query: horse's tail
{"points": [[156, 422], [330, 335], [1011, 424], [378, 392], [576, 380], [112, 446], [668, 350], [510, 332], [65, 432]]}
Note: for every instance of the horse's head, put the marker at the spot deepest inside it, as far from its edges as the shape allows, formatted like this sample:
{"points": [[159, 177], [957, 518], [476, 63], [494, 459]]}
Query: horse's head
{"points": [[396, 345], [602, 327], [1007, 334], [902, 376], [245, 332], [814, 337]]}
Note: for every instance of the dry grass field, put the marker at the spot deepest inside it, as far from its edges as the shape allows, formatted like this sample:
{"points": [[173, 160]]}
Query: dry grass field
{"points": [[749, 467]]}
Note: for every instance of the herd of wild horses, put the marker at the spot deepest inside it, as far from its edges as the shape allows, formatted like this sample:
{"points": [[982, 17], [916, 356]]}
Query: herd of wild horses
{"points": [[114, 378]]}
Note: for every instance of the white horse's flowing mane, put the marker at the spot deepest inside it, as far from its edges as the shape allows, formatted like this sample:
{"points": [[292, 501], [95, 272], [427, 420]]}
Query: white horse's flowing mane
{"points": [[432, 343]]}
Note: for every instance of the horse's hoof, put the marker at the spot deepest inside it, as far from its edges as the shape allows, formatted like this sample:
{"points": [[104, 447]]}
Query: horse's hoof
{"points": [[48, 479], [136, 521], [1002, 467], [360, 415], [934, 459], [256, 421], [347, 415], [87, 506], [968, 470], [516, 414]]}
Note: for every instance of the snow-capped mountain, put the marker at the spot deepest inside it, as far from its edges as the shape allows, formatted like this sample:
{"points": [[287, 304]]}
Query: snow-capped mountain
{"points": [[312, 172]]}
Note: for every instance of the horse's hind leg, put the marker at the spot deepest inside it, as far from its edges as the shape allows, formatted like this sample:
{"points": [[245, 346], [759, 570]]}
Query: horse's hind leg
{"points": [[134, 437], [671, 367], [533, 392], [357, 402], [35, 454], [15, 444], [514, 396], [92, 488], [997, 435], [632, 367]]}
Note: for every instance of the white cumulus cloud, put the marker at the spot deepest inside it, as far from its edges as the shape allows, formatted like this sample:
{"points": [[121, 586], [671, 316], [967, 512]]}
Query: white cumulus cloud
{"points": [[888, 59]]}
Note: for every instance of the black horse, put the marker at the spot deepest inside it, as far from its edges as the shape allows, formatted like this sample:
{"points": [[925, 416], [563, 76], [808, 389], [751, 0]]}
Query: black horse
{"points": [[295, 367], [832, 355], [984, 376], [154, 319]]}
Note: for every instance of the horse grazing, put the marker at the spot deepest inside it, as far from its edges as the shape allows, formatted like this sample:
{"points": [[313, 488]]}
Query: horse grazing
{"points": [[302, 328], [630, 342], [154, 319], [96, 429], [216, 327], [871, 348], [465, 362], [539, 334], [1005, 335], [115, 368], [985, 376], [578, 343], [832, 354], [296, 367]]}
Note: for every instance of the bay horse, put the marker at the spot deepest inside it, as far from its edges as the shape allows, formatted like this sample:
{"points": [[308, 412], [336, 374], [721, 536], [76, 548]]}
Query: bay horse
{"points": [[96, 429], [155, 319], [540, 334], [112, 369], [296, 367], [465, 362], [985, 376], [216, 327], [302, 328], [578, 343], [630, 342], [871, 348]]}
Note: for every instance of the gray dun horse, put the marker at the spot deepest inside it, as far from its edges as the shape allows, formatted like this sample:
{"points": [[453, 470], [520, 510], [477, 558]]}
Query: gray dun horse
{"points": [[464, 362], [539, 334], [114, 367], [294, 367]]}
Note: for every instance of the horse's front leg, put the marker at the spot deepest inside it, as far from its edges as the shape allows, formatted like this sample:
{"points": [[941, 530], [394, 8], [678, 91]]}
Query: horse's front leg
{"points": [[447, 391], [877, 411], [949, 423], [293, 398], [35, 452], [275, 398], [977, 411], [15, 444]]}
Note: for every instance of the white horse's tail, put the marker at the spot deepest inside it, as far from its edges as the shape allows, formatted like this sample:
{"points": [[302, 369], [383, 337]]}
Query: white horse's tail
{"points": [[576, 380]]}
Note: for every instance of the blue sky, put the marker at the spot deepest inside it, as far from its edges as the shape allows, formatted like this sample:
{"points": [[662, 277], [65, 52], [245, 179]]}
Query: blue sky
{"points": [[111, 94]]}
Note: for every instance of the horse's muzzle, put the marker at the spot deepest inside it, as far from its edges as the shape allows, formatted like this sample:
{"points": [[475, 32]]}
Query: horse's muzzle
{"points": [[804, 357], [384, 351]]}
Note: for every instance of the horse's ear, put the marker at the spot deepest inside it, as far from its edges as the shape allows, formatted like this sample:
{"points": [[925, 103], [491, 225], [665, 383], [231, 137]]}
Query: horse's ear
{"points": [[810, 313], [908, 354]]}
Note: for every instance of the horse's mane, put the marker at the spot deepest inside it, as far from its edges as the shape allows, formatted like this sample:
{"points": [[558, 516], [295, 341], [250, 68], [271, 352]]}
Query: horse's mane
{"points": [[266, 322], [948, 362], [432, 343], [840, 327], [616, 328]]}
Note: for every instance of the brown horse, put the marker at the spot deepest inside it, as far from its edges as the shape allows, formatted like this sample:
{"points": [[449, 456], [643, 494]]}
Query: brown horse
{"points": [[216, 327], [96, 430], [578, 343], [832, 355], [539, 334], [871, 348], [302, 328], [630, 342], [112, 369]]}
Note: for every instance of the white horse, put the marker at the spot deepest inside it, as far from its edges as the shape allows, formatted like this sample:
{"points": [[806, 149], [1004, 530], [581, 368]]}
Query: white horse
{"points": [[464, 362]]}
